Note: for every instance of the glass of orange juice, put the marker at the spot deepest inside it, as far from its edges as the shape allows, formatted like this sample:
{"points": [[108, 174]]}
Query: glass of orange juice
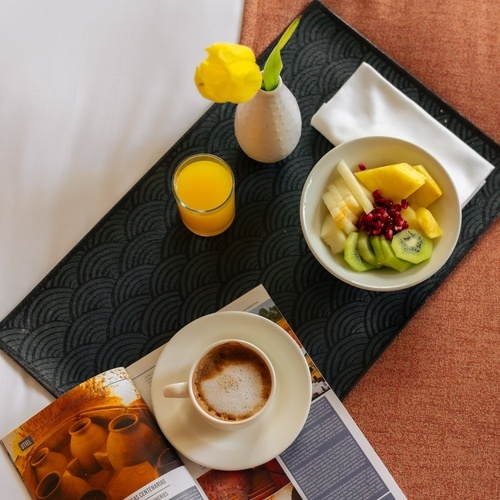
{"points": [[203, 186]]}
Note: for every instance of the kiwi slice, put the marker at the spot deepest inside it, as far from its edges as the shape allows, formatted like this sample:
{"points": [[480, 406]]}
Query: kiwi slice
{"points": [[390, 259], [352, 256], [412, 245], [377, 249], [366, 251]]}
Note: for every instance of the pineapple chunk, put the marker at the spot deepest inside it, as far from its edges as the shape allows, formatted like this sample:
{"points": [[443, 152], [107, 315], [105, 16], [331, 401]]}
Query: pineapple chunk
{"points": [[395, 182], [427, 193], [427, 223], [410, 216], [332, 235]]}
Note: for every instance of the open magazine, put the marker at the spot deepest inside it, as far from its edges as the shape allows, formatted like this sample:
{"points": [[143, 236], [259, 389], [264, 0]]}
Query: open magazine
{"points": [[101, 440]]}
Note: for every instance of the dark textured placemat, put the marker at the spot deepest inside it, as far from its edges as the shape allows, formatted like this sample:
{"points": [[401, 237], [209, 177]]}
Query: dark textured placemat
{"points": [[139, 275]]}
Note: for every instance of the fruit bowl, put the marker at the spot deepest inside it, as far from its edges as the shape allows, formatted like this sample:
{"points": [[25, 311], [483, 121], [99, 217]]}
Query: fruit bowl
{"points": [[375, 152]]}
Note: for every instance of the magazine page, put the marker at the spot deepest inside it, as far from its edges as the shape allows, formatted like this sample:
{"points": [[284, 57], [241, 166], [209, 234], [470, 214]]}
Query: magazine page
{"points": [[330, 458], [99, 440]]}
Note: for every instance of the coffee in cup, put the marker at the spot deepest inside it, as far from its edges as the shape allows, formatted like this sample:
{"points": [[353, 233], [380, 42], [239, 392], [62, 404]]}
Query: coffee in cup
{"points": [[230, 384]]}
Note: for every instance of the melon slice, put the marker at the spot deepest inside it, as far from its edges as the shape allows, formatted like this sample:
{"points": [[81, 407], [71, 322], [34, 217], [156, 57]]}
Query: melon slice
{"points": [[332, 235], [347, 212], [337, 196], [339, 211], [348, 197], [342, 220], [395, 182], [329, 200], [342, 187], [353, 185]]}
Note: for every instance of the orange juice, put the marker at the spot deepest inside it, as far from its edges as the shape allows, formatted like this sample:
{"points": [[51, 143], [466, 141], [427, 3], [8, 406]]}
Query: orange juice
{"points": [[204, 191]]}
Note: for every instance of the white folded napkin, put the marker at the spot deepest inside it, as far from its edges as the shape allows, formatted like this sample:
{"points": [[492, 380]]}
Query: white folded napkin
{"points": [[367, 104]]}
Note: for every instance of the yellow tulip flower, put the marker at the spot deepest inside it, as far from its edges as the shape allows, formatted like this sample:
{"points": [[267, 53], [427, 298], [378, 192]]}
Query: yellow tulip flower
{"points": [[229, 74]]}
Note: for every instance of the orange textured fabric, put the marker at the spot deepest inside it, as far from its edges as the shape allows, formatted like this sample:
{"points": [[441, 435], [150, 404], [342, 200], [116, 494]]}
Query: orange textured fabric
{"points": [[429, 405]]}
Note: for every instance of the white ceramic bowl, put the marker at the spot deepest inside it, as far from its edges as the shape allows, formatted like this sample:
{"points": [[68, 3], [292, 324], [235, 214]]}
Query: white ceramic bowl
{"points": [[376, 152]]}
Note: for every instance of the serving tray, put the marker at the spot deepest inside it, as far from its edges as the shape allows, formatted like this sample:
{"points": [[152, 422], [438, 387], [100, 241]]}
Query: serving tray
{"points": [[139, 275]]}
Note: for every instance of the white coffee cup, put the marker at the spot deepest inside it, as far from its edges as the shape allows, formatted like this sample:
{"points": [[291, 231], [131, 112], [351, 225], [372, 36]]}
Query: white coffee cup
{"points": [[231, 383]]}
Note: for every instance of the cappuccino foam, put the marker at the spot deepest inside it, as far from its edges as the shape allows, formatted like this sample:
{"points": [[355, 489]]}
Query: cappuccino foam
{"points": [[232, 382]]}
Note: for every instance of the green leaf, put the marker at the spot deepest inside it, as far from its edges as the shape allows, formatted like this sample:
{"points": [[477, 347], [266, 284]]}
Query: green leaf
{"points": [[274, 64]]}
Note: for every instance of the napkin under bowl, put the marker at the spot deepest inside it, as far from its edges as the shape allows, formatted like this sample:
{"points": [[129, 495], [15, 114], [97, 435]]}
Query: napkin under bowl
{"points": [[368, 105]]}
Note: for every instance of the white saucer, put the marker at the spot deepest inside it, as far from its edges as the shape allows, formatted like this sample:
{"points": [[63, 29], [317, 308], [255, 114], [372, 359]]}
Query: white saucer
{"points": [[264, 439]]}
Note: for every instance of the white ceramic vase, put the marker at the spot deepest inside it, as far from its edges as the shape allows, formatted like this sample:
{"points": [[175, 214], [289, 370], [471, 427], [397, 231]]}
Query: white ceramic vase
{"points": [[268, 127]]}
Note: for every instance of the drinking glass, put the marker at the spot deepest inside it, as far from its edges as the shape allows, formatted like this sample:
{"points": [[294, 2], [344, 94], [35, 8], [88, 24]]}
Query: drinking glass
{"points": [[203, 186]]}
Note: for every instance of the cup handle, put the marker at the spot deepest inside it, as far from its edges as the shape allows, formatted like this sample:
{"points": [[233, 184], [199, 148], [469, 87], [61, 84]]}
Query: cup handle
{"points": [[179, 390]]}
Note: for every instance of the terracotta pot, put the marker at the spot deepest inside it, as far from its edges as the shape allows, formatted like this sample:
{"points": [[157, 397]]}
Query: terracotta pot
{"points": [[167, 461], [75, 468], [55, 486], [131, 442], [268, 127], [131, 479], [94, 494], [86, 439], [45, 461]]}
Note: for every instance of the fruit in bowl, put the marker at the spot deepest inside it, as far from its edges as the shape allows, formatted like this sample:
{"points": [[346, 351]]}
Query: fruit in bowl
{"points": [[380, 213], [369, 227]]}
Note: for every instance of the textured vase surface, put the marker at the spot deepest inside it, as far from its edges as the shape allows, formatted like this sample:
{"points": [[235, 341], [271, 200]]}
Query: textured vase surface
{"points": [[268, 127]]}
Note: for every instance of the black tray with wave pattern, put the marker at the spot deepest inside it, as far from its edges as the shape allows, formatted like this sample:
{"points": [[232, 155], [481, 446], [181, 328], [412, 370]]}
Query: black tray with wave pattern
{"points": [[139, 275]]}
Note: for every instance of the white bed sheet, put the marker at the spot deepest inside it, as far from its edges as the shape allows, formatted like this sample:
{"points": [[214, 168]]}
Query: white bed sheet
{"points": [[92, 94]]}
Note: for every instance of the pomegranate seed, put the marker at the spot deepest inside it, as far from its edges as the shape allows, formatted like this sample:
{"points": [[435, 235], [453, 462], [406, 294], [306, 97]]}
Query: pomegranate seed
{"points": [[385, 218], [361, 166]]}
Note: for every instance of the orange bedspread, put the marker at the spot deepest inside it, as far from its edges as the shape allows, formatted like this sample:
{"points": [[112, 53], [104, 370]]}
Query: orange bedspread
{"points": [[429, 406]]}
